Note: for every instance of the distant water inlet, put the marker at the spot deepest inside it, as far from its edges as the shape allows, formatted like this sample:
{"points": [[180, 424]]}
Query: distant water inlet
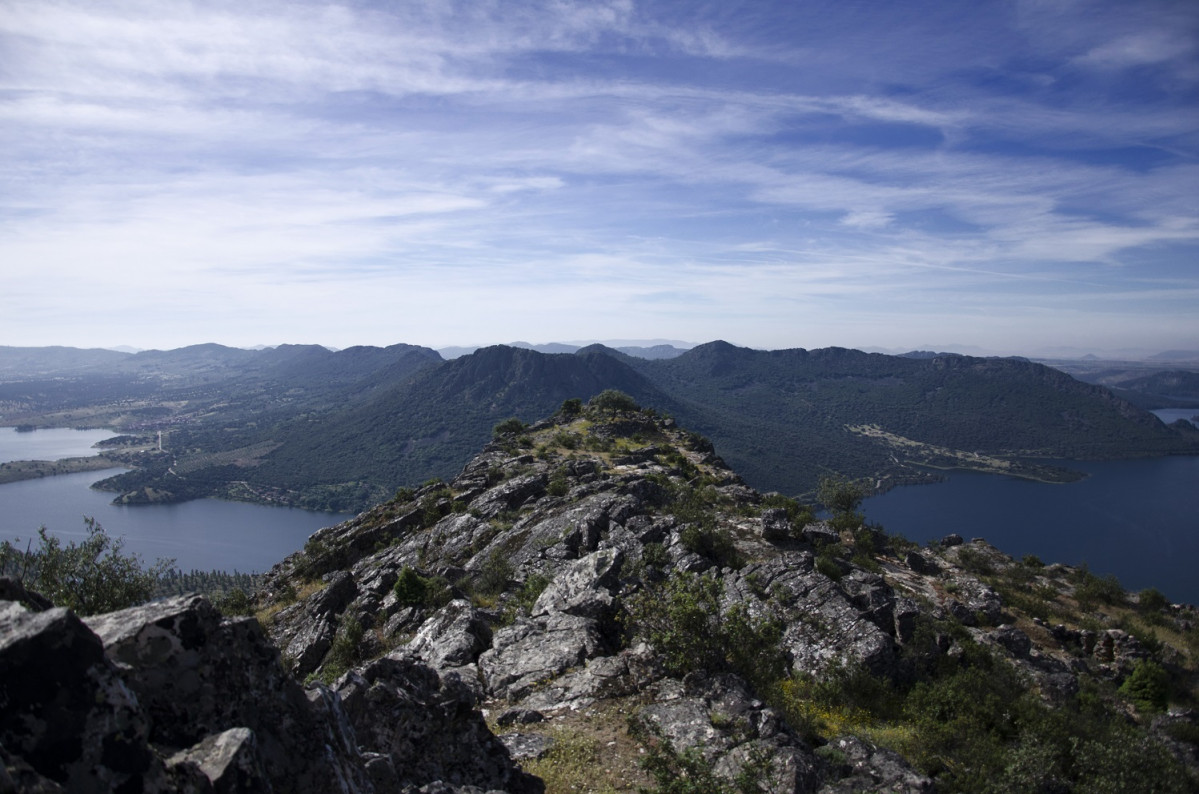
{"points": [[206, 534], [1137, 519], [49, 444]]}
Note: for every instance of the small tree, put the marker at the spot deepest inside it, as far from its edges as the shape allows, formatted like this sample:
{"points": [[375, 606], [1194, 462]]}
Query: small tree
{"points": [[508, 427], [841, 497], [613, 401], [89, 578]]}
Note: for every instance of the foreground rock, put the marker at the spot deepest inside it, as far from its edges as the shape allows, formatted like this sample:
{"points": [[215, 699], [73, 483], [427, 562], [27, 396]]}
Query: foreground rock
{"points": [[173, 697]]}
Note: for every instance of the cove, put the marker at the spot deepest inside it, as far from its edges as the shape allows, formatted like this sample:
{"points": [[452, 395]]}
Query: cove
{"points": [[1137, 519], [205, 534]]}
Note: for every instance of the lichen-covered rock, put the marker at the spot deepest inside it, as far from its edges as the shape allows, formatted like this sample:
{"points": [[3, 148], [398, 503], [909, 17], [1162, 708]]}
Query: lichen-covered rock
{"points": [[197, 675], [584, 588], [832, 624], [861, 766], [229, 760], [453, 637], [723, 721], [531, 652], [427, 727], [65, 710]]}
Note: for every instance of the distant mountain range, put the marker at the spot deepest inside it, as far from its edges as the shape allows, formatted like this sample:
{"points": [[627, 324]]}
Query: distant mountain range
{"points": [[303, 425]]}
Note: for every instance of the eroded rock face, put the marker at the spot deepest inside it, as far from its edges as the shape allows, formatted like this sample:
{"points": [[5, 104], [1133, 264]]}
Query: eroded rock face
{"points": [[532, 651], [425, 727], [65, 710]]}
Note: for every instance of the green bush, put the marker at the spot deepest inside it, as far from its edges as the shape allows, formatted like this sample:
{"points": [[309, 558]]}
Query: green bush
{"points": [[508, 427], [682, 620], [1089, 588], [1152, 600], [613, 401], [828, 565], [345, 652], [534, 585], [571, 408], [411, 588], [90, 577], [654, 555], [494, 574], [1148, 686], [235, 602]]}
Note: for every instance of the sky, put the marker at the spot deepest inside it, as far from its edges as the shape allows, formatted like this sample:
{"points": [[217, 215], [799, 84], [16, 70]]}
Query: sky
{"points": [[1002, 177]]}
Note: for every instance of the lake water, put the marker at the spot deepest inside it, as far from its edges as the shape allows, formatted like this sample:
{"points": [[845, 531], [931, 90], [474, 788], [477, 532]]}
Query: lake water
{"points": [[49, 444], [1137, 519], [205, 534]]}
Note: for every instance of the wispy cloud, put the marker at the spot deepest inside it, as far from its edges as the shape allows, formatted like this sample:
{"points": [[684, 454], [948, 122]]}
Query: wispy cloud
{"points": [[445, 173]]}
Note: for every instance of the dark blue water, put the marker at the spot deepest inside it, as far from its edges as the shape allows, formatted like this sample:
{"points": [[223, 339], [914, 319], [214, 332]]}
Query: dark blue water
{"points": [[206, 534], [1137, 519]]}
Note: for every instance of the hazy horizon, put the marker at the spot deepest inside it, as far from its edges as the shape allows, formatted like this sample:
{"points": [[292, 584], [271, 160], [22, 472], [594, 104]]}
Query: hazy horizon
{"points": [[1161, 357], [1013, 177]]}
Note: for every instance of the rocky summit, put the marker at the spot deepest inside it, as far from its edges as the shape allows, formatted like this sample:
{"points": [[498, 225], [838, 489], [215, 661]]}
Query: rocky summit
{"points": [[597, 603]]}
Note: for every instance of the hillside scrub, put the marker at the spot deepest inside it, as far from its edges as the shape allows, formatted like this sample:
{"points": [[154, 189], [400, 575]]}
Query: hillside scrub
{"points": [[88, 577]]}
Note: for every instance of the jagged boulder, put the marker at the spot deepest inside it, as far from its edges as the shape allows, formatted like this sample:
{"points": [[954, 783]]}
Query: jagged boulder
{"points": [[533, 651], [422, 728], [65, 710], [229, 760], [583, 588], [197, 675]]}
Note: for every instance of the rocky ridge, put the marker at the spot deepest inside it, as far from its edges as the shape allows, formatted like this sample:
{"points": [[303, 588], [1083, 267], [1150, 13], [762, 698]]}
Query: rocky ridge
{"points": [[484, 634]]}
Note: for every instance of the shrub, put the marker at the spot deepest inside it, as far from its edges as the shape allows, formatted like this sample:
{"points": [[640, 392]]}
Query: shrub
{"points": [[235, 602], [344, 653], [1148, 686], [613, 401], [558, 485], [508, 427], [654, 555], [829, 566], [532, 589], [572, 407], [1152, 600], [411, 588], [494, 574], [840, 495], [712, 543], [683, 621], [1090, 588], [90, 577]]}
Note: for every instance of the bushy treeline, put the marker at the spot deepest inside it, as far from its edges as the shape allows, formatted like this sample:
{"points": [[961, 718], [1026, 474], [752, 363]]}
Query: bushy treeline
{"points": [[214, 584]]}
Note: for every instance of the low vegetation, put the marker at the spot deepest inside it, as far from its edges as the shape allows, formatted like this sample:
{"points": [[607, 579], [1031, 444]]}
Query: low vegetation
{"points": [[89, 577]]}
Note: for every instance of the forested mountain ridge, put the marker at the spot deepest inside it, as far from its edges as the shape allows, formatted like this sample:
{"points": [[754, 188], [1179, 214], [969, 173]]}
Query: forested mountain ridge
{"points": [[305, 426]]}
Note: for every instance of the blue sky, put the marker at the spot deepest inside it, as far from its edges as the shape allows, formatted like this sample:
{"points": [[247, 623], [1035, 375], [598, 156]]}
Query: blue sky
{"points": [[1008, 177]]}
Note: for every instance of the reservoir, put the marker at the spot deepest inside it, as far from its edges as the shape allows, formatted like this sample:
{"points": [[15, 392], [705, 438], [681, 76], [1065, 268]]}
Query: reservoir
{"points": [[1137, 519], [205, 534], [53, 443]]}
